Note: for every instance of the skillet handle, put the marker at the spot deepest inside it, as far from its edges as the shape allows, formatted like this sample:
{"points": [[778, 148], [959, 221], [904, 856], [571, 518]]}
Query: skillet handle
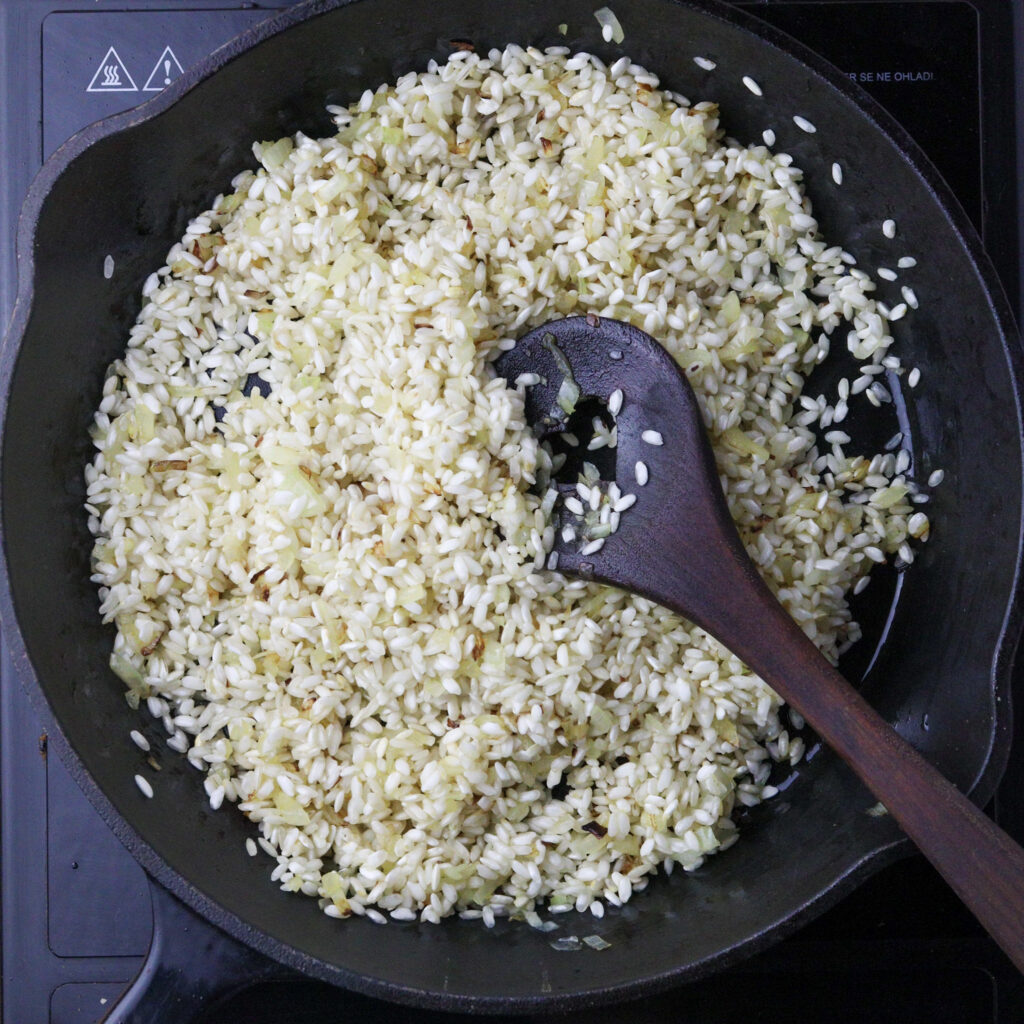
{"points": [[190, 965]]}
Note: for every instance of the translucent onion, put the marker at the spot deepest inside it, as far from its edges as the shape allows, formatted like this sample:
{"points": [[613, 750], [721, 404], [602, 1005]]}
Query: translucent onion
{"points": [[610, 27]]}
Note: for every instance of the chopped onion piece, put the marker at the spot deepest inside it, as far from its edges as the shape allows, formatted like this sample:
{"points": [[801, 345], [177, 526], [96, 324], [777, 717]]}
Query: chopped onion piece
{"points": [[568, 396], [610, 27]]}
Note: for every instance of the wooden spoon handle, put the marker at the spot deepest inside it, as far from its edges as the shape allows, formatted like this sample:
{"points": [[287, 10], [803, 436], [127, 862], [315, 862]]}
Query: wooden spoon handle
{"points": [[981, 863], [702, 572]]}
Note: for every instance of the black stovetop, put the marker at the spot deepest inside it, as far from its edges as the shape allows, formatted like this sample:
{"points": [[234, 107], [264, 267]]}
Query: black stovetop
{"points": [[76, 912]]}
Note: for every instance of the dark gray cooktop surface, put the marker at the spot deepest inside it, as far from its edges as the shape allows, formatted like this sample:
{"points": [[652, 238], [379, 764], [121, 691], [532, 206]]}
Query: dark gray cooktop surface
{"points": [[75, 907]]}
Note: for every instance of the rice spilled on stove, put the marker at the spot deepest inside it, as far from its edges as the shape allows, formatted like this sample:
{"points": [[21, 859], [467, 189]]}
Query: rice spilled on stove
{"points": [[314, 528]]}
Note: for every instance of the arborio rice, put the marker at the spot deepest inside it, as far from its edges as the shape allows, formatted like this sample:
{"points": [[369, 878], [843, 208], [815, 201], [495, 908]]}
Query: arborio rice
{"points": [[330, 593]]}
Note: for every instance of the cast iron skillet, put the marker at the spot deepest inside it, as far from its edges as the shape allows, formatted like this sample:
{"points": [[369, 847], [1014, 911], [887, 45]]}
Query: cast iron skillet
{"points": [[945, 632]]}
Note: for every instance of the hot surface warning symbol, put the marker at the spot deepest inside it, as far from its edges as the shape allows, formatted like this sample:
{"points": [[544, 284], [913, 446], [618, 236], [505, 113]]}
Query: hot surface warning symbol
{"points": [[112, 76], [165, 70]]}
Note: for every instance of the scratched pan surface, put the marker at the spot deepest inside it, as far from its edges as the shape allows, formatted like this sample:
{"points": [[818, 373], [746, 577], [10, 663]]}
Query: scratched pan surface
{"points": [[940, 671]]}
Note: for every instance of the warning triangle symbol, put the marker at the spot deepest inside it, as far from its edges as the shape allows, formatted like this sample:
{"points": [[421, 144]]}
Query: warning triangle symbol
{"points": [[112, 76], [165, 70]]}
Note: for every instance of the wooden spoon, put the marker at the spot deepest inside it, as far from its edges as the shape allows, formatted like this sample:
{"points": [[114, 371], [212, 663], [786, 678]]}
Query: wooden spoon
{"points": [[678, 546]]}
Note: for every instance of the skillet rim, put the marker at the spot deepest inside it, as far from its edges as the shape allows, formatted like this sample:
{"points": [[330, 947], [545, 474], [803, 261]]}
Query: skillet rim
{"points": [[992, 764]]}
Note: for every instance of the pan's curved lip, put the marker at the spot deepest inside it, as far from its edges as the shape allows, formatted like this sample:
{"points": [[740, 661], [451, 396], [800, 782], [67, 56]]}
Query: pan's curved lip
{"points": [[847, 879]]}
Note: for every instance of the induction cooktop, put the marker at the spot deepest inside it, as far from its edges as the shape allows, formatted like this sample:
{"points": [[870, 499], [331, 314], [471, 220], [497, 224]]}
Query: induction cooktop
{"points": [[76, 909]]}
